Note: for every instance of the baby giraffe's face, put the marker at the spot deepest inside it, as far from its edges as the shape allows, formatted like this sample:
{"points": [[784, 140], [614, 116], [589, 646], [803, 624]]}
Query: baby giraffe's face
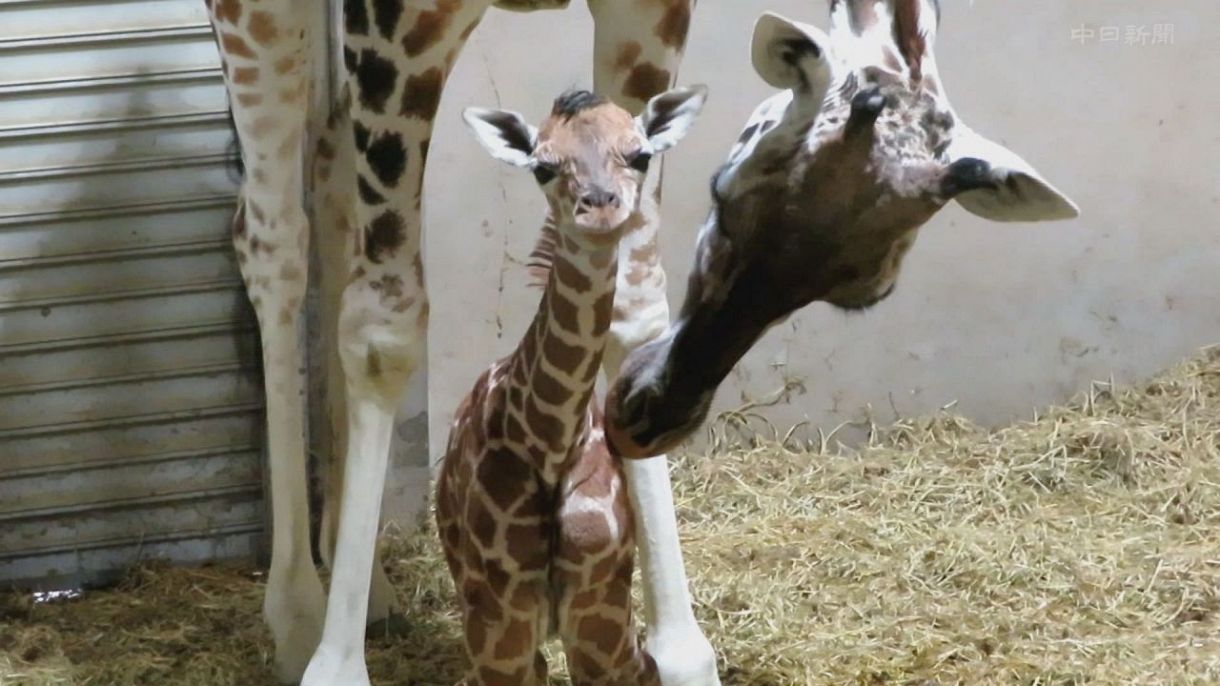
{"points": [[591, 159], [590, 156]]}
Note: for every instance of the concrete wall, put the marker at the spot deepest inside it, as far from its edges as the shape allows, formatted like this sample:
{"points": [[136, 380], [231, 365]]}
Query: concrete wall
{"points": [[1000, 318]]}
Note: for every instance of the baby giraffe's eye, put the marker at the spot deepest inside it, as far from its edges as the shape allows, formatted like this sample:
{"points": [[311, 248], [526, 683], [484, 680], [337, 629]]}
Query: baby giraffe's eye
{"points": [[640, 160], [544, 173]]}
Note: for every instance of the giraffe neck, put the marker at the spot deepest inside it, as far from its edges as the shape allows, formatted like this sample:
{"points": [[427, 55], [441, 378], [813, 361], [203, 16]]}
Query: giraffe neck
{"points": [[553, 371]]}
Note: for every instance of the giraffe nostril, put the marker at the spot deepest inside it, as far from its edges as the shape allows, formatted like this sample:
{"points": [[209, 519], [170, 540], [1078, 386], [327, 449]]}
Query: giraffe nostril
{"points": [[635, 408], [599, 198]]}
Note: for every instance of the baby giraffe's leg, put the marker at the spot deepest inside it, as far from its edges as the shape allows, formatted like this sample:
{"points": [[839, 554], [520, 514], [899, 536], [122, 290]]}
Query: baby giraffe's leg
{"points": [[503, 633], [496, 534], [594, 562]]}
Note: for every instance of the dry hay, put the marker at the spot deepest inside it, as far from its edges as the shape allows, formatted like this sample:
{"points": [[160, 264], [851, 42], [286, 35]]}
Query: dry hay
{"points": [[1080, 548]]}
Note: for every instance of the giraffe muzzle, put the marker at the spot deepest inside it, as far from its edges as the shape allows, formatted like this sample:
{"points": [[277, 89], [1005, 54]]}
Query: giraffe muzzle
{"points": [[599, 198]]}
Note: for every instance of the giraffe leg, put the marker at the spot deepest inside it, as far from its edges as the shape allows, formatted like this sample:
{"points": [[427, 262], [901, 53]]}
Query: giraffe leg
{"points": [[398, 56], [496, 536], [334, 190], [638, 48], [265, 54], [503, 632], [594, 563]]}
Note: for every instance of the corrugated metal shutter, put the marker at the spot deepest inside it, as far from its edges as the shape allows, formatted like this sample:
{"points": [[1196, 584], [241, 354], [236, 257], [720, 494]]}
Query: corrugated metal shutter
{"points": [[130, 396]]}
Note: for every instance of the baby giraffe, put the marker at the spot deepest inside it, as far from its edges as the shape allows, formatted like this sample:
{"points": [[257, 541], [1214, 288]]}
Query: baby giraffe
{"points": [[532, 510]]}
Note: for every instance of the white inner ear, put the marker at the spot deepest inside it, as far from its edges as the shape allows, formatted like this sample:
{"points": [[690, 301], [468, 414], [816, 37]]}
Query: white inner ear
{"points": [[669, 116], [503, 134], [772, 43], [1023, 195]]}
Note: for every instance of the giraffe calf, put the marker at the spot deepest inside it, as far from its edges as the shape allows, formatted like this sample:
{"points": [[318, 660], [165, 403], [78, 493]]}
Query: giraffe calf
{"points": [[532, 510]]}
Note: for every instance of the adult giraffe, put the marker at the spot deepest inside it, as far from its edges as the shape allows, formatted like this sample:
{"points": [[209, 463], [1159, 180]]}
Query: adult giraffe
{"points": [[398, 54], [820, 200]]}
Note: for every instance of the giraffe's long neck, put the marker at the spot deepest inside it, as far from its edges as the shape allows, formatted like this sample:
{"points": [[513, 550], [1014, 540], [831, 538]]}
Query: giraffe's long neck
{"points": [[553, 371]]}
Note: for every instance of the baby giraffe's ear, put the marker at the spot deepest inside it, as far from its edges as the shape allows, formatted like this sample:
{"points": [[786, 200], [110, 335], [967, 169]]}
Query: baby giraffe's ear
{"points": [[504, 134], [669, 116]]}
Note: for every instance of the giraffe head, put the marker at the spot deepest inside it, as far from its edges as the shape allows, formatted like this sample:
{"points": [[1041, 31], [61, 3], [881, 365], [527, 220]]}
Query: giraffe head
{"points": [[590, 156], [821, 198]]}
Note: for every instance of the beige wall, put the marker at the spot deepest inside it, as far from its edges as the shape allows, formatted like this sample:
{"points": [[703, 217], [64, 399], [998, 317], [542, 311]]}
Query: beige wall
{"points": [[1000, 318]]}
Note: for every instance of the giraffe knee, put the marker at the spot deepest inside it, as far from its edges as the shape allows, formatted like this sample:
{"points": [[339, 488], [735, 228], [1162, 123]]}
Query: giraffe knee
{"points": [[595, 521], [379, 369], [382, 338]]}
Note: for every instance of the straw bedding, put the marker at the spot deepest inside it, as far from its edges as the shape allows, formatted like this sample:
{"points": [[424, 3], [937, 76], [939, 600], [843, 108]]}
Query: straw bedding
{"points": [[1082, 547]]}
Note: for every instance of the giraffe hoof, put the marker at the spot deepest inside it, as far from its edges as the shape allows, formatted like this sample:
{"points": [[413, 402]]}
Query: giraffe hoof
{"points": [[684, 658], [294, 609], [395, 625], [329, 669]]}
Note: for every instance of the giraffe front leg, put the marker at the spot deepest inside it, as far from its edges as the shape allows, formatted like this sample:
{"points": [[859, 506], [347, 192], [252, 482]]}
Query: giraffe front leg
{"points": [[377, 360], [334, 193], [593, 567], [398, 56], [683, 655], [637, 52]]}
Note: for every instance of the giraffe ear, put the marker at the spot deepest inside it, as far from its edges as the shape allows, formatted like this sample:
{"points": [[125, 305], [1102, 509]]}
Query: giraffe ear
{"points": [[504, 134], [788, 54], [993, 182], [669, 116]]}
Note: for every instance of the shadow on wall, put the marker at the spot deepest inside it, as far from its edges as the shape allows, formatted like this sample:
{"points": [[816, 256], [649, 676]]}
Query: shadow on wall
{"points": [[130, 382]]}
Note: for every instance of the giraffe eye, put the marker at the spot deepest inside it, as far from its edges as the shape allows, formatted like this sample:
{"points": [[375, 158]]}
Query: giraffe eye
{"points": [[640, 162], [544, 173]]}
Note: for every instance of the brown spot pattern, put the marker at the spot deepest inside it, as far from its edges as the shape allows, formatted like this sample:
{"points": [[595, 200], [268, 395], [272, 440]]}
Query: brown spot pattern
{"points": [[516, 640], [546, 427], [245, 75], [584, 533], [645, 81], [562, 356], [429, 27], [501, 475], [628, 55], [564, 314], [675, 24], [527, 544], [325, 150], [571, 277], [227, 10], [482, 524], [384, 236], [422, 94], [235, 45], [603, 633], [549, 389], [262, 28]]}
